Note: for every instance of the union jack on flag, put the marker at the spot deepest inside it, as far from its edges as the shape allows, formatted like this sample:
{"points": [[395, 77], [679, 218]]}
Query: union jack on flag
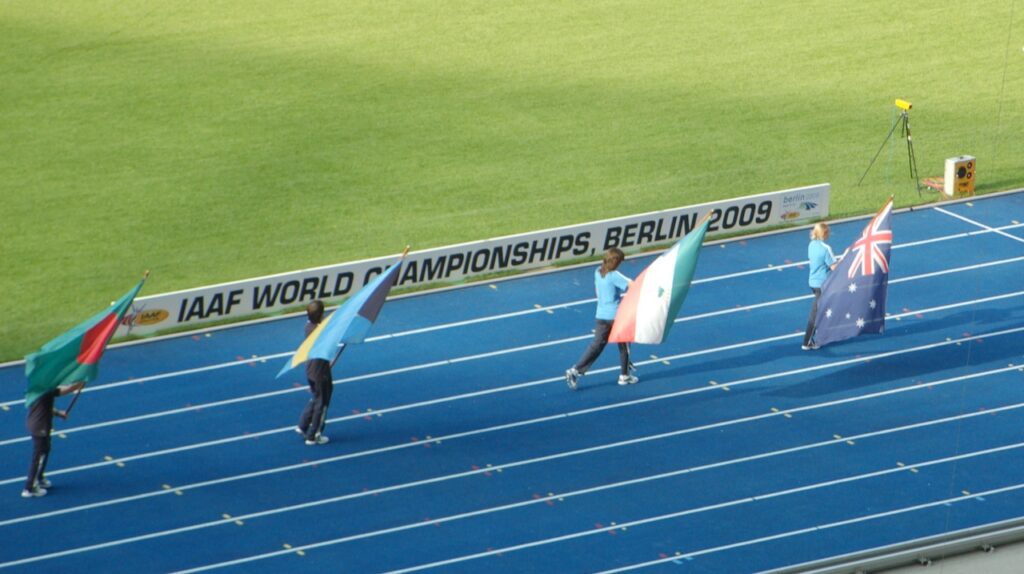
{"points": [[868, 250], [853, 297]]}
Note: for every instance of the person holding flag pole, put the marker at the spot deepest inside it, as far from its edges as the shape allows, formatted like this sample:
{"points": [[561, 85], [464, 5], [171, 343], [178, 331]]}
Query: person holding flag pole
{"points": [[853, 296], [647, 310], [610, 286], [650, 307], [821, 262], [40, 426], [62, 366], [321, 384], [326, 339]]}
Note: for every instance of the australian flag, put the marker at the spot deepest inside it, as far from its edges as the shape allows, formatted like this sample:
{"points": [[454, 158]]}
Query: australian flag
{"points": [[853, 297]]}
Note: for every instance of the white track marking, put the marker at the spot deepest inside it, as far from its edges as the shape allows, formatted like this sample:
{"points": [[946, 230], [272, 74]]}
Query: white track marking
{"points": [[434, 480], [471, 395], [811, 529], [420, 404], [490, 354], [592, 532], [979, 224], [510, 426], [260, 358]]}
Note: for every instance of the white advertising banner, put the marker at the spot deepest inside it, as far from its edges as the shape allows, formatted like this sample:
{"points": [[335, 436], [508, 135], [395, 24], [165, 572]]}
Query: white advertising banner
{"points": [[273, 293]]}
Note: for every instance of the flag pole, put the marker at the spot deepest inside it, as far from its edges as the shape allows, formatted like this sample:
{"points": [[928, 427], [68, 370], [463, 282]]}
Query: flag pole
{"points": [[78, 393], [340, 349], [74, 399]]}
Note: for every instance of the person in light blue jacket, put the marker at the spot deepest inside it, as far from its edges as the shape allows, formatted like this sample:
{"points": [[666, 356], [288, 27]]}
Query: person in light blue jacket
{"points": [[822, 262], [610, 286]]}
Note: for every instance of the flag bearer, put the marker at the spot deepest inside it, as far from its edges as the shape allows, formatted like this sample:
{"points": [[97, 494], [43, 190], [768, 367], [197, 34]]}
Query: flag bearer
{"points": [[40, 425], [822, 262], [321, 384], [610, 286]]}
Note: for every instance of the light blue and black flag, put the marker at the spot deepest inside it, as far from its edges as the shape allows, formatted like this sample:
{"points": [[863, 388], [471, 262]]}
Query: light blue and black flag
{"points": [[349, 323], [852, 299]]}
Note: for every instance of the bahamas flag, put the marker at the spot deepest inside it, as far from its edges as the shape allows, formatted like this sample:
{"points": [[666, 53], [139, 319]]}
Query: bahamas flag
{"points": [[652, 303], [349, 323], [75, 355]]}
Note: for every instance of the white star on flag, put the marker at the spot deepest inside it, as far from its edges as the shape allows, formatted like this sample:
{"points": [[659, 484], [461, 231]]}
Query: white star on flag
{"points": [[847, 315], [860, 323], [853, 287], [828, 313], [872, 304]]}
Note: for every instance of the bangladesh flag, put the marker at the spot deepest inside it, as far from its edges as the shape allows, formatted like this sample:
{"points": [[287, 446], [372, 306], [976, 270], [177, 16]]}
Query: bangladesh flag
{"points": [[652, 302], [75, 355]]}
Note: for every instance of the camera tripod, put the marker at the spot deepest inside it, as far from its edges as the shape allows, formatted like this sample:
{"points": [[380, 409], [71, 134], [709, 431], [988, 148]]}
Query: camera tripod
{"points": [[903, 121]]}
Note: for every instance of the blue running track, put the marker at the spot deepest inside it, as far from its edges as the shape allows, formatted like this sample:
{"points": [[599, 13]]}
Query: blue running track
{"points": [[456, 445]]}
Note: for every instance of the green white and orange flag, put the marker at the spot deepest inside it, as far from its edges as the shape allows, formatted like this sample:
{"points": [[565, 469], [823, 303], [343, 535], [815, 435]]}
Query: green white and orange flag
{"points": [[75, 355], [652, 302]]}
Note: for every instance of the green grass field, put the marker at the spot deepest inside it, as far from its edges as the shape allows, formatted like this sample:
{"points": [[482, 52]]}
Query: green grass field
{"points": [[222, 140]]}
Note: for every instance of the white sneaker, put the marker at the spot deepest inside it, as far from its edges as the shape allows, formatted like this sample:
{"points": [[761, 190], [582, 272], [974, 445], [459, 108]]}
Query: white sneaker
{"points": [[45, 483], [300, 431], [320, 439], [34, 493], [572, 377], [628, 380]]}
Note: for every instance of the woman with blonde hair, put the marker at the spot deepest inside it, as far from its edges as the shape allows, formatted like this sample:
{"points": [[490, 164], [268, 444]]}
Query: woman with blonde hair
{"points": [[610, 286], [822, 262]]}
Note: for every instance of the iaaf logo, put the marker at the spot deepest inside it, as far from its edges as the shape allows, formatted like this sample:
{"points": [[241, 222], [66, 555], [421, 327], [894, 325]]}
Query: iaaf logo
{"points": [[140, 316]]}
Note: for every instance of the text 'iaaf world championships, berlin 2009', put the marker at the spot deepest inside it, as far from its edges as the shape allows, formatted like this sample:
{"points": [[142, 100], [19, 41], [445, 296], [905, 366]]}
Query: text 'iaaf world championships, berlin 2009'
{"points": [[458, 262]]}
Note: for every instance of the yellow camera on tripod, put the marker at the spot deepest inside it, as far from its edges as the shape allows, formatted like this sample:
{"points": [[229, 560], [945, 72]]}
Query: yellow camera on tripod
{"points": [[902, 121]]}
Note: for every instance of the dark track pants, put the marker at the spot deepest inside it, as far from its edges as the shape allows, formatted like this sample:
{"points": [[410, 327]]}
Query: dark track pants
{"points": [[40, 454], [601, 331], [809, 333], [314, 415]]}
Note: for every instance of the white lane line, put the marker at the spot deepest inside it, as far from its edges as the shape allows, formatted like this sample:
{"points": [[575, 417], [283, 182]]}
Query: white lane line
{"points": [[589, 532], [978, 224], [441, 400], [957, 270], [770, 267], [956, 236], [512, 425], [290, 390], [260, 358], [425, 403], [640, 480], [446, 362], [820, 527], [735, 502], [382, 411]]}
